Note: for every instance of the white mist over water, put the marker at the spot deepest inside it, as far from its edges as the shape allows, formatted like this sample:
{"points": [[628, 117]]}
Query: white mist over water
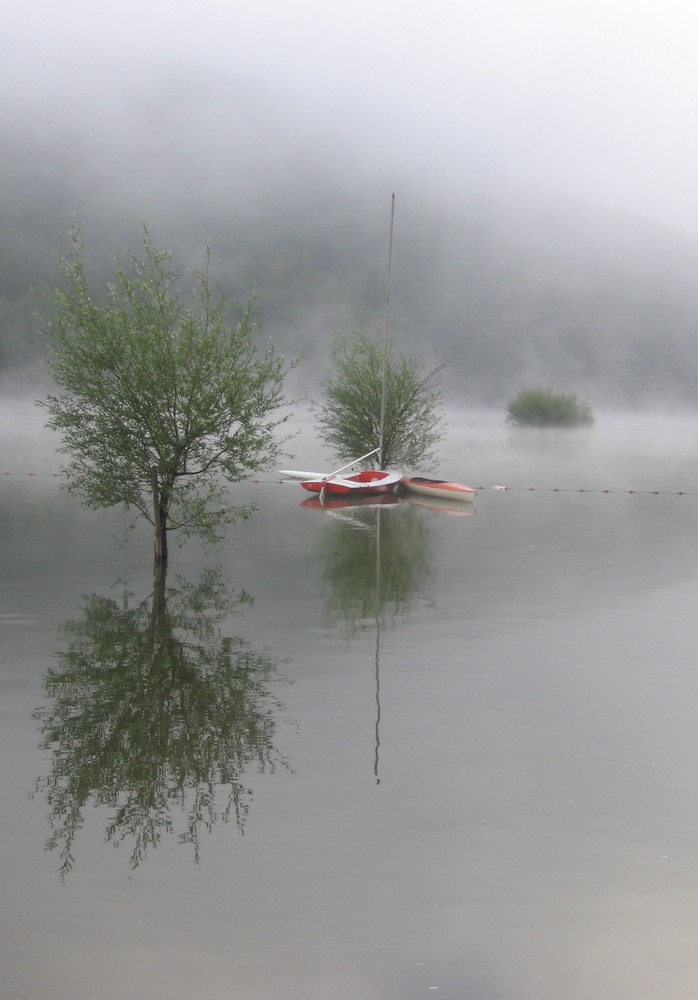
{"points": [[535, 818], [639, 451]]}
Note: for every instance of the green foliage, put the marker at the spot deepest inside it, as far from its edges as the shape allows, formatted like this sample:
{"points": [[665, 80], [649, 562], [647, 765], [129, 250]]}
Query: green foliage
{"points": [[349, 419], [156, 714], [545, 408], [374, 562], [161, 399]]}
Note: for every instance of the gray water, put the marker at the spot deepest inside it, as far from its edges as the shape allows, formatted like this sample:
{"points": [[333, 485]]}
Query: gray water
{"points": [[387, 753]]}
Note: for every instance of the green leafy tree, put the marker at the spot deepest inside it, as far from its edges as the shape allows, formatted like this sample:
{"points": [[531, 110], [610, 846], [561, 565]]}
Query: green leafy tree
{"points": [[544, 407], [349, 420], [162, 400]]}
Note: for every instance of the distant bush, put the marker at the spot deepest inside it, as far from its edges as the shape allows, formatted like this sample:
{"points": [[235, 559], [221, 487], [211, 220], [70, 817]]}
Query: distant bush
{"points": [[545, 408]]}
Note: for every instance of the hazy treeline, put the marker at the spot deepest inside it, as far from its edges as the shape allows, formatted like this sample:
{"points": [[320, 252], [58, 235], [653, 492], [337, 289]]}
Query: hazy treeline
{"points": [[513, 290]]}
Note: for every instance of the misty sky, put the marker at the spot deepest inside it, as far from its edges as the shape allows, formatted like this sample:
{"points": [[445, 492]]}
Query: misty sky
{"points": [[592, 99]]}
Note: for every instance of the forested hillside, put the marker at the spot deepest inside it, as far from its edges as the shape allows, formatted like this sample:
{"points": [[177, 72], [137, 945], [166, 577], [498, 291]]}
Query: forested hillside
{"points": [[513, 290]]}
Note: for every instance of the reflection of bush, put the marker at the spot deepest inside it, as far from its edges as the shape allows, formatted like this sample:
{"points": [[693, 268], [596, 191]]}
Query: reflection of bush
{"points": [[374, 561], [152, 712]]}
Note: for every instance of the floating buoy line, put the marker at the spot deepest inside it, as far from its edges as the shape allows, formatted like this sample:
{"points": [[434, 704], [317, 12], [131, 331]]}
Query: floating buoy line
{"points": [[568, 489], [538, 489], [480, 489], [49, 475]]}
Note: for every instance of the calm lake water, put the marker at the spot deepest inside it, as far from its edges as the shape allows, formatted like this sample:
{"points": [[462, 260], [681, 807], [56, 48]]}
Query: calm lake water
{"points": [[384, 753]]}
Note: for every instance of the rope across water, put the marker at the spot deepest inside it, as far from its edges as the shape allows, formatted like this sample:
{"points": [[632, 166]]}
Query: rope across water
{"points": [[559, 489], [480, 489]]}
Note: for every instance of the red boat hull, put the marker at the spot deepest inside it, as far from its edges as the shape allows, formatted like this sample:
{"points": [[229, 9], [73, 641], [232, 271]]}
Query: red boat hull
{"points": [[371, 482]]}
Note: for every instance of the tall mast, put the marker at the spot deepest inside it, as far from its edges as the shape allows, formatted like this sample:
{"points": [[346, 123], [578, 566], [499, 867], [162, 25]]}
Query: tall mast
{"points": [[381, 462]]}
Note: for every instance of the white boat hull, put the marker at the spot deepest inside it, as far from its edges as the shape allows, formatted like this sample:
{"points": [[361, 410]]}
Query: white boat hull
{"points": [[439, 488], [295, 474]]}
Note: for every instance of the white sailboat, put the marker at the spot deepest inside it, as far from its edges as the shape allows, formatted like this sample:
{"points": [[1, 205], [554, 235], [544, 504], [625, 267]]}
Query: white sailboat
{"points": [[368, 482]]}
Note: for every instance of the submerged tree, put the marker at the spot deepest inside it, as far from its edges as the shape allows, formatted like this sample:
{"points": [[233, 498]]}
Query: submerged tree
{"points": [[162, 399], [350, 418], [547, 408]]}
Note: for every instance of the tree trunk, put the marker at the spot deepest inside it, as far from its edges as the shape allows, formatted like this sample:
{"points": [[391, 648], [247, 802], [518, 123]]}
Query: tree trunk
{"points": [[158, 613], [160, 521], [159, 600]]}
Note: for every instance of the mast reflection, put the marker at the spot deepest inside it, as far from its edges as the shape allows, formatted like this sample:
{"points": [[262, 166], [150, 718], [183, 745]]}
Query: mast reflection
{"points": [[376, 560]]}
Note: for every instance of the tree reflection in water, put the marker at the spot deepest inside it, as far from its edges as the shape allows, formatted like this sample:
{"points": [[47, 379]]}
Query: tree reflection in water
{"points": [[155, 714], [376, 562]]}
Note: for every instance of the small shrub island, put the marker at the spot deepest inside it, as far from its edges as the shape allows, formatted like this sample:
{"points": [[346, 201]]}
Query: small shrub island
{"points": [[545, 408]]}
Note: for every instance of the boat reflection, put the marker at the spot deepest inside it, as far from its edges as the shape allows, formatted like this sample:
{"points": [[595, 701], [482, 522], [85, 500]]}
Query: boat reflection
{"points": [[376, 559], [155, 714], [344, 503], [435, 504], [439, 506]]}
